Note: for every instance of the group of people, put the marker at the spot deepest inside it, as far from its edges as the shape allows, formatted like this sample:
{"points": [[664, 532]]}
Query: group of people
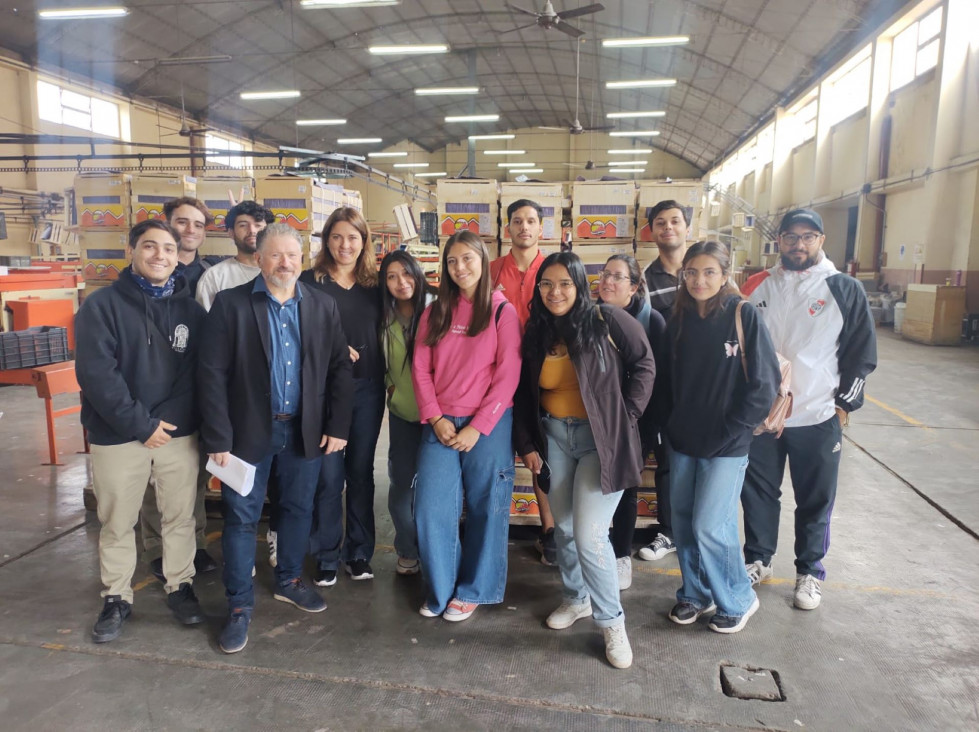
{"points": [[185, 360]]}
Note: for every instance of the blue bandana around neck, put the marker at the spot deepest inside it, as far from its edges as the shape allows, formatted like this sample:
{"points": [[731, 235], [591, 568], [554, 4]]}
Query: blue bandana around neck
{"points": [[155, 291]]}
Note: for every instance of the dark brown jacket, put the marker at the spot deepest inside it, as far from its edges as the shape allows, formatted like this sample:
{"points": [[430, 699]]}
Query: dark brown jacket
{"points": [[616, 379]]}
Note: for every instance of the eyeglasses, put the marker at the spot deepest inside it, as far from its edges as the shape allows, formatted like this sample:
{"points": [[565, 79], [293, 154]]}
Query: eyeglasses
{"points": [[614, 276], [809, 238], [709, 274], [563, 285]]}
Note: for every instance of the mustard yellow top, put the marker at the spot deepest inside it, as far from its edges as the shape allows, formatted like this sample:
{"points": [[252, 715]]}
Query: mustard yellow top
{"points": [[560, 394]]}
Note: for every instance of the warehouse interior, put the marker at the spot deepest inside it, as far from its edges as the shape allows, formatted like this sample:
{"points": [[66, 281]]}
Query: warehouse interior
{"points": [[862, 110]]}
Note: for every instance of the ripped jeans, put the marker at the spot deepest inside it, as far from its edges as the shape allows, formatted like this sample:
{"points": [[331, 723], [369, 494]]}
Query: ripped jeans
{"points": [[582, 514]]}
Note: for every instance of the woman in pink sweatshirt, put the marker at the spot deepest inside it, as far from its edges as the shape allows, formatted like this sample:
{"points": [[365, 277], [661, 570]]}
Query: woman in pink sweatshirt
{"points": [[465, 370]]}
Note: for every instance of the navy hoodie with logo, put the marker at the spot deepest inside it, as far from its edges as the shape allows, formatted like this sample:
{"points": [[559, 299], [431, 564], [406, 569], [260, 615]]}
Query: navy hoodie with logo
{"points": [[136, 361], [715, 408]]}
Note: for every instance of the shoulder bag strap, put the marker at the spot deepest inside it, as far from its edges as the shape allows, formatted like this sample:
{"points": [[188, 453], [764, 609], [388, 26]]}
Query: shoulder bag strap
{"points": [[740, 329]]}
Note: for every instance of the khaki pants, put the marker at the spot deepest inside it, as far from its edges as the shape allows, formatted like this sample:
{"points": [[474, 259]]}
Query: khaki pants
{"points": [[149, 516], [120, 474]]}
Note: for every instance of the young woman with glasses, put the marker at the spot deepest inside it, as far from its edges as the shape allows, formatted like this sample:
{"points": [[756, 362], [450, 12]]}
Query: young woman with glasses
{"points": [[586, 377]]}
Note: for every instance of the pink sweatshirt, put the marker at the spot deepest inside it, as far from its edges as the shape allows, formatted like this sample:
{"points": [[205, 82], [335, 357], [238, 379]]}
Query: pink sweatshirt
{"points": [[465, 376]]}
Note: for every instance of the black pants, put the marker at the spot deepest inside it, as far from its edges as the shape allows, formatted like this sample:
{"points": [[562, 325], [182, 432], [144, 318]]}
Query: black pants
{"points": [[624, 520], [814, 465]]}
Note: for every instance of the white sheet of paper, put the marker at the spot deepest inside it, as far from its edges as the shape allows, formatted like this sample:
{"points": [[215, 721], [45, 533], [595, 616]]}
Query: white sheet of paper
{"points": [[238, 475]]}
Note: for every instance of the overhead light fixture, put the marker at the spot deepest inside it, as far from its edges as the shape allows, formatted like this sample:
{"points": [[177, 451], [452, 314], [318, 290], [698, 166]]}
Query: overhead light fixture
{"points": [[630, 170], [358, 140], [645, 41], [434, 90], [195, 60], [284, 94], [387, 155], [521, 171], [504, 152], [473, 118], [411, 165], [491, 137], [634, 133], [430, 175], [83, 13], [627, 115], [347, 3], [515, 165], [639, 83], [616, 163], [630, 151], [408, 49], [319, 122]]}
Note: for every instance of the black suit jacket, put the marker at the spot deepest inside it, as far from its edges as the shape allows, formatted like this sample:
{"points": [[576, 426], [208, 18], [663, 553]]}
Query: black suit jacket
{"points": [[235, 383]]}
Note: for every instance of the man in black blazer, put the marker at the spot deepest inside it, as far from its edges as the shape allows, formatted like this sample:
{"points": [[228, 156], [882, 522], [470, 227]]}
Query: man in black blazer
{"points": [[275, 381]]}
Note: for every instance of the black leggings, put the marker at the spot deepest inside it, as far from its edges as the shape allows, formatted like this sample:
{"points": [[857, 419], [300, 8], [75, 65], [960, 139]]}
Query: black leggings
{"points": [[624, 524]]}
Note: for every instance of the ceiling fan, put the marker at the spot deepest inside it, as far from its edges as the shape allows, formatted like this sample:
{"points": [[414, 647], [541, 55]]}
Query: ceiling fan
{"points": [[185, 129], [548, 19], [575, 127]]}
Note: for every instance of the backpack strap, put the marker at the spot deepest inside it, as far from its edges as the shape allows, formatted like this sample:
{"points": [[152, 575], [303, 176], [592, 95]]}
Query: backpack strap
{"points": [[499, 312], [740, 329], [598, 309]]}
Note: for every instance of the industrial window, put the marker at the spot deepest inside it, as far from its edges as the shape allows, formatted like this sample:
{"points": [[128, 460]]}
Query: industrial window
{"points": [[915, 49], [213, 142], [65, 107], [806, 119], [849, 91]]}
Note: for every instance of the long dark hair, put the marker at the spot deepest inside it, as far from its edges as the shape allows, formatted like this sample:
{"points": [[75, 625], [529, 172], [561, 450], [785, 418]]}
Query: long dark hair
{"points": [[440, 318], [579, 328], [685, 304], [635, 278], [389, 304], [365, 271]]}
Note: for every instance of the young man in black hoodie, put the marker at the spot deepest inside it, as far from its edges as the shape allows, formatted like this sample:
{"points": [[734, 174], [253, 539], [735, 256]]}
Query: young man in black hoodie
{"points": [[136, 363]]}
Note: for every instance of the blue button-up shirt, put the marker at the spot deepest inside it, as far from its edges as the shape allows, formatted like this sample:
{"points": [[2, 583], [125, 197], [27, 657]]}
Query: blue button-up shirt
{"points": [[286, 347]]}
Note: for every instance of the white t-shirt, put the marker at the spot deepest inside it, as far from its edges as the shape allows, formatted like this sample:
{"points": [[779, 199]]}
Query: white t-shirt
{"points": [[223, 276]]}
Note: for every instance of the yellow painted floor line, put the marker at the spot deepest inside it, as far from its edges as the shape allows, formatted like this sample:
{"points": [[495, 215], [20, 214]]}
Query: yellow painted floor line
{"points": [[896, 412]]}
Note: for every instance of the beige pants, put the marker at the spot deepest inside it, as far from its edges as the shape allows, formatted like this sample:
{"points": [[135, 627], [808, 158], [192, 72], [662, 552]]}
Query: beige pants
{"points": [[120, 474], [149, 516]]}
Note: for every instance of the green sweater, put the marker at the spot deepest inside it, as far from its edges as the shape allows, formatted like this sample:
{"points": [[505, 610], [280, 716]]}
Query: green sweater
{"points": [[401, 401]]}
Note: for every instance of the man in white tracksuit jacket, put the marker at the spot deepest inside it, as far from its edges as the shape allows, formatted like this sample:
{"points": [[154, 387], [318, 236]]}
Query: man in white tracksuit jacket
{"points": [[820, 320]]}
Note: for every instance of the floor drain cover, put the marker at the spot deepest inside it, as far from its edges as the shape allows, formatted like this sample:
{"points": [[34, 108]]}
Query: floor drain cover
{"points": [[747, 682]]}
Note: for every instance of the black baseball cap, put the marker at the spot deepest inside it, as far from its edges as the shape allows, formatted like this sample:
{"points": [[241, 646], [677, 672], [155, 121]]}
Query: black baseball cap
{"points": [[801, 216]]}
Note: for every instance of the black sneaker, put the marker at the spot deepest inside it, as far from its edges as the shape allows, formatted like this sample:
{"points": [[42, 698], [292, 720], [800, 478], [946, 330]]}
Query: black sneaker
{"points": [[547, 548], [685, 613], [325, 577], [360, 569], [185, 606], [732, 623], [109, 625], [204, 562], [297, 593], [234, 636], [156, 567]]}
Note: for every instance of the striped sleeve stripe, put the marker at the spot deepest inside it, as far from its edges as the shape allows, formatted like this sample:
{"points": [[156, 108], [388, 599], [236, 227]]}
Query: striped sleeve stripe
{"points": [[854, 390]]}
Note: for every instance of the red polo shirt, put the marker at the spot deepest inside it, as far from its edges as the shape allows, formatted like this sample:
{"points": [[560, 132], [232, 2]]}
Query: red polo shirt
{"points": [[517, 286]]}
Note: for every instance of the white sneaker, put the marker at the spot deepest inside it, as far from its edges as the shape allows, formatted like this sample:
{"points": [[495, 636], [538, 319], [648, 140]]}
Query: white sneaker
{"points": [[661, 546], [617, 648], [807, 592], [407, 566], [567, 613], [271, 537], [758, 571], [623, 566]]}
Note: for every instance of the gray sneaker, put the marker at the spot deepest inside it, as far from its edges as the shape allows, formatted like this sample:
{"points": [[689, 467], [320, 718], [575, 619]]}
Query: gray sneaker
{"points": [[297, 593], [623, 568], [758, 571], [808, 592]]}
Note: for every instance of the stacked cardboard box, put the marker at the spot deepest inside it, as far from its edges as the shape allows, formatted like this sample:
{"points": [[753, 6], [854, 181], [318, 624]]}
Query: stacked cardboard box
{"points": [[217, 194], [103, 211], [351, 199], [646, 494], [688, 194], [603, 210], [549, 196], [468, 204], [151, 192], [303, 203], [934, 314]]}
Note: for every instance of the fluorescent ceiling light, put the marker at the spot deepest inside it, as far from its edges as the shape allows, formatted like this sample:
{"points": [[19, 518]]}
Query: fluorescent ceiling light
{"points": [[634, 133], [491, 137], [521, 171], [631, 151], [394, 50], [387, 155], [627, 115], [630, 170], [430, 175], [473, 118], [318, 122], [411, 165], [83, 13], [646, 41], [186, 60], [616, 163], [433, 90], [504, 152], [639, 83], [346, 3], [284, 94], [358, 140], [515, 165]]}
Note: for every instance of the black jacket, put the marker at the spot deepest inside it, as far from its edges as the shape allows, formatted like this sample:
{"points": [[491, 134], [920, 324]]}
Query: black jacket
{"points": [[135, 359], [235, 383], [616, 380], [715, 409]]}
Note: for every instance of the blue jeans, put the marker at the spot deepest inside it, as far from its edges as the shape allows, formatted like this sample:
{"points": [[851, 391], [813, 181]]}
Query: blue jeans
{"points": [[704, 496], [582, 514], [355, 467], [405, 438], [297, 484], [474, 569]]}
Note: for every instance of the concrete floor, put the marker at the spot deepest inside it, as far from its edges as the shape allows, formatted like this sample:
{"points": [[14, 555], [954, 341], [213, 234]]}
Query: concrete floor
{"points": [[894, 646]]}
